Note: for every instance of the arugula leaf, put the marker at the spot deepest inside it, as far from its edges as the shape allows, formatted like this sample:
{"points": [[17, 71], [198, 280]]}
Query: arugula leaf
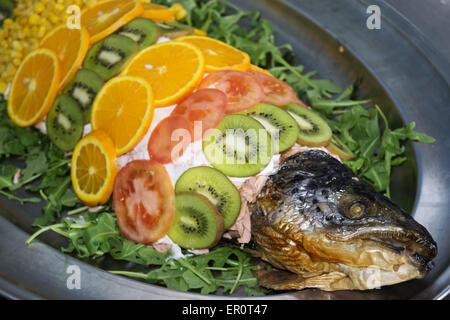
{"points": [[36, 163], [7, 173]]}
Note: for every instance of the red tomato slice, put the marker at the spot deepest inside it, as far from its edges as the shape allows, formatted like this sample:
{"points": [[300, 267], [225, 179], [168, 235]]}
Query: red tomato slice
{"points": [[274, 91], [166, 144], [205, 105], [241, 89], [144, 201], [300, 102]]}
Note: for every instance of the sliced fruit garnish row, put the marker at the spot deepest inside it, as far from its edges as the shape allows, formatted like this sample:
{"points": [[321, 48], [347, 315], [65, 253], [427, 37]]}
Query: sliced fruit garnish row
{"points": [[121, 110]]}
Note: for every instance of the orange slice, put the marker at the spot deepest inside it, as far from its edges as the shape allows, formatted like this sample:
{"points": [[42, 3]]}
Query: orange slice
{"points": [[123, 109], [256, 68], [173, 69], [93, 168], [34, 87], [70, 45], [107, 16], [158, 12], [219, 55], [200, 32]]}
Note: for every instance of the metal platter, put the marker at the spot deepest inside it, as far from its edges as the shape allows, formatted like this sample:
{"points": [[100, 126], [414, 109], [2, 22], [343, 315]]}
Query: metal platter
{"points": [[395, 66]]}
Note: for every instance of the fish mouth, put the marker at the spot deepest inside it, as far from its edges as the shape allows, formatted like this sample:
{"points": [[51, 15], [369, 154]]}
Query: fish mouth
{"points": [[420, 247]]}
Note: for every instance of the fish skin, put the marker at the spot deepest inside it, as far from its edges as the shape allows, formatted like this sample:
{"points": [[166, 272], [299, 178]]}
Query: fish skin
{"points": [[333, 231]]}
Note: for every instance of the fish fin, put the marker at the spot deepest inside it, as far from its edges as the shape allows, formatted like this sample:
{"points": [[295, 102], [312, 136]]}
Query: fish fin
{"points": [[278, 279], [284, 280]]}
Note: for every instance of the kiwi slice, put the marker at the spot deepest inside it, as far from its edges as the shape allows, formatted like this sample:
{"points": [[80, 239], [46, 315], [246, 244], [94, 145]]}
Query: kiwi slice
{"points": [[313, 130], [84, 88], [6, 10], [215, 186], [141, 30], [238, 147], [197, 223], [173, 30], [283, 129], [109, 55], [337, 147], [64, 122]]}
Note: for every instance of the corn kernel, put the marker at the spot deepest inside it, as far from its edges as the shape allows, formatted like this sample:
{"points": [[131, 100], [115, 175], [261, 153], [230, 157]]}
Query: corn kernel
{"points": [[42, 30], [10, 73], [7, 22], [180, 12], [16, 62], [26, 31], [39, 7], [59, 7], [22, 21], [34, 19], [16, 54], [16, 45], [53, 18], [3, 87], [4, 44]]}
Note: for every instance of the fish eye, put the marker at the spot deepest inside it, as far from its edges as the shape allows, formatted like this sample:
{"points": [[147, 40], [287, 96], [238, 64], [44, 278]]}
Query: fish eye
{"points": [[356, 210]]}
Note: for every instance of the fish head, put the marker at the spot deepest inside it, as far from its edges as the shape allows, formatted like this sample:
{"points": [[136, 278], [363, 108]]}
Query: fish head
{"points": [[360, 213], [336, 222]]}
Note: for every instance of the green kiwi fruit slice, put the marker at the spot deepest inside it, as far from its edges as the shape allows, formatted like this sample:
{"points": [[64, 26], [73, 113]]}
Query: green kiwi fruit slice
{"points": [[6, 10], [173, 30], [64, 122], [239, 146], [109, 55], [84, 88], [141, 30], [337, 147], [215, 186], [196, 224], [283, 129], [313, 130]]}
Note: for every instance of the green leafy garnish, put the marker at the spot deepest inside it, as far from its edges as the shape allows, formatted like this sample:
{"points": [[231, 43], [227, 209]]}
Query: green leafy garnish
{"points": [[39, 161], [96, 235]]}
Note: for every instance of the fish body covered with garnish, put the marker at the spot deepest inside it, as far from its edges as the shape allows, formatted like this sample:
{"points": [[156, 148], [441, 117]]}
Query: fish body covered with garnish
{"points": [[322, 227]]}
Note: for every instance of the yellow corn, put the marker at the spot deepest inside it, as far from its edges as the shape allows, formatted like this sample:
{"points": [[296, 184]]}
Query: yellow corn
{"points": [[59, 7], [3, 87], [34, 19], [180, 11], [7, 22], [39, 7], [19, 36]]}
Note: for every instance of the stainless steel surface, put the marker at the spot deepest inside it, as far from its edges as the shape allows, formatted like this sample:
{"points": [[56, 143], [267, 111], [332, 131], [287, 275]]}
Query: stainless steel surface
{"points": [[397, 67]]}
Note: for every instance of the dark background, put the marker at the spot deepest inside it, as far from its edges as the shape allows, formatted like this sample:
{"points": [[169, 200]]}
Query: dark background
{"points": [[431, 19]]}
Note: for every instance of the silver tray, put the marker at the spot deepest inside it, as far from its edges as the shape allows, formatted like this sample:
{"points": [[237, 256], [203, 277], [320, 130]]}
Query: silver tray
{"points": [[396, 67]]}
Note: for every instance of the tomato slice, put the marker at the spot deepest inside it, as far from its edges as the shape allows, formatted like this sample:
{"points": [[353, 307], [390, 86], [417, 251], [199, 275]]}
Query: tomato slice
{"points": [[166, 144], [205, 105], [144, 201], [242, 89], [300, 102], [275, 91]]}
